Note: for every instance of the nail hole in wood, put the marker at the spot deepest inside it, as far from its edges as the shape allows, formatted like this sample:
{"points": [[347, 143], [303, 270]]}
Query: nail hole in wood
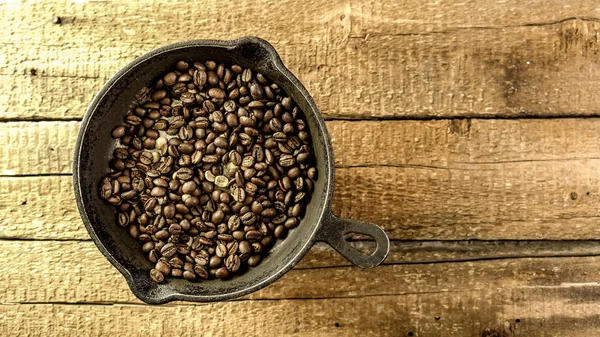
{"points": [[337, 325]]}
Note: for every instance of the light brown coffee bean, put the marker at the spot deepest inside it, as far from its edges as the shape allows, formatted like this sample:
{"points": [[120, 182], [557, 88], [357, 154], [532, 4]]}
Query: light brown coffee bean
{"points": [[168, 250], [156, 276], [254, 260], [163, 267], [222, 273], [201, 271], [232, 263]]}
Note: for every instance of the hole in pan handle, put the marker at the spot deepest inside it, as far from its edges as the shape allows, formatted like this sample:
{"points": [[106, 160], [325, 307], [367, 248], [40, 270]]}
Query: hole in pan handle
{"points": [[334, 229]]}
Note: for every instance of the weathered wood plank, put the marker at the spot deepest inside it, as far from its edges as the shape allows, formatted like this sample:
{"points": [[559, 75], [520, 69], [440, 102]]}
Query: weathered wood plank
{"points": [[151, 21], [30, 148], [37, 148], [359, 60], [75, 272], [485, 179], [448, 205], [560, 311]]}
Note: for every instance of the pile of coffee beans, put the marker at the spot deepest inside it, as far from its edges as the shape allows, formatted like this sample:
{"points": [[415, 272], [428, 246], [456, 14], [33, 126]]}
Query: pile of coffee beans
{"points": [[213, 164]]}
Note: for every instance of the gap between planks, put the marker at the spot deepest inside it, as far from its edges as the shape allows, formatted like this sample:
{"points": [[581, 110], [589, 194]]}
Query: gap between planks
{"points": [[363, 118], [475, 250]]}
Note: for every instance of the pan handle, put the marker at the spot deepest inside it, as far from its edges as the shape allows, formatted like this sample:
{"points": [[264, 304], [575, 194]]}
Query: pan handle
{"points": [[333, 230]]}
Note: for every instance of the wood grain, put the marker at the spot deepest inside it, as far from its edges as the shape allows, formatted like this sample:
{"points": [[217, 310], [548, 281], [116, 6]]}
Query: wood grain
{"points": [[140, 22], [359, 60], [555, 311], [75, 272], [461, 179], [37, 148], [32, 148]]}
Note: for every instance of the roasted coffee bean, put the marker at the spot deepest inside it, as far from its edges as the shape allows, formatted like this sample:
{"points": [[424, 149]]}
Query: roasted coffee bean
{"points": [[189, 275], [170, 79], [221, 250], [233, 223], [217, 216], [311, 173], [123, 219], [239, 194], [168, 250], [254, 260], [158, 191], [248, 218], [281, 218], [162, 234], [200, 78], [222, 273], [253, 235], [201, 271], [280, 231], [145, 237], [206, 241], [215, 261], [183, 249], [287, 160], [232, 247], [189, 187], [244, 247], [291, 223], [153, 256], [119, 131], [175, 229], [156, 276], [257, 247], [201, 259], [238, 235], [182, 66], [163, 267], [147, 247], [176, 263], [197, 243], [296, 210], [232, 263]]}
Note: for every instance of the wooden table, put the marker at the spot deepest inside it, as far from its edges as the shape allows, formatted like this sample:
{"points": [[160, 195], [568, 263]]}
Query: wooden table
{"points": [[467, 129]]}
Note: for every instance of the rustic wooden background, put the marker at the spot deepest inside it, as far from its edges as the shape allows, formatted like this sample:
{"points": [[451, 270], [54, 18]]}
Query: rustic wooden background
{"points": [[469, 130]]}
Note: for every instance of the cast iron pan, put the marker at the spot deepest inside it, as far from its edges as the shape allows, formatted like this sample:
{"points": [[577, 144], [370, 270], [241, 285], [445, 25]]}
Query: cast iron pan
{"points": [[95, 146]]}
